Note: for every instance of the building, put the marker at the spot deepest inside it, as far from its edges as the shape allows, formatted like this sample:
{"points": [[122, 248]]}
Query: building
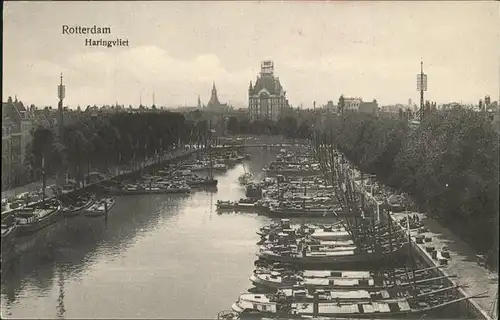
{"points": [[17, 124], [330, 106], [368, 107], [358, 105], [266, 99], [352, 104], [214, 103]]}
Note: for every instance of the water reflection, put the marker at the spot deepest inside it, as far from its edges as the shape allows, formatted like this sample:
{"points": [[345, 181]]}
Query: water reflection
{"points": [[157, 256], [60, 299]]}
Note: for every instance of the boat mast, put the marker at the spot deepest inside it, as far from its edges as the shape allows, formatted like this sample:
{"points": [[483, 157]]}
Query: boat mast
{"points": [[44, 180], [278, 180], [209, 149], [391, 270], [409, 242]]}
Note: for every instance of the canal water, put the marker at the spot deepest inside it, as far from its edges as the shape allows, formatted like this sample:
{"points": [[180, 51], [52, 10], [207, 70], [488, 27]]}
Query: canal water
{"points": [[158, 256]]}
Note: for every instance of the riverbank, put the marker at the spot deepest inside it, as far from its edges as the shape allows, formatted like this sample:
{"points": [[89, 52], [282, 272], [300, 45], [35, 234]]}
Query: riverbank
{"points": [[237, 142], [114, 172], [473, 278]]}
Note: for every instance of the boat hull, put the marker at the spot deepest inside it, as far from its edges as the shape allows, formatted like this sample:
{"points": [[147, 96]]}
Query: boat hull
{"points": [[78, 211], [99, 213], [299, 173], [206, 183], [8, 242], [239, 208], [273, 285], [361, 259], [30, 228], [145, 192], [300, 213]]}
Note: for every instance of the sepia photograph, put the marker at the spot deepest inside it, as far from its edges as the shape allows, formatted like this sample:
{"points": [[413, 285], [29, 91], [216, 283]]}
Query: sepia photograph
{"points": [[234, 160]]}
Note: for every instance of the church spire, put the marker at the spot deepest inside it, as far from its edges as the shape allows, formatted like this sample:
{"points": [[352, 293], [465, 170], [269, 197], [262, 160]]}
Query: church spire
{"points": [[214, 100], [250, 88]]}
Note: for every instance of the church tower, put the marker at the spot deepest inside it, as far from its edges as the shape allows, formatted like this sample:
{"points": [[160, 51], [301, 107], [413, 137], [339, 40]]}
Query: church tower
{"points": [[214, 100]]}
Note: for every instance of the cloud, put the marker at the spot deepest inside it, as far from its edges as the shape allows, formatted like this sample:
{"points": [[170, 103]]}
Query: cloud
{"points": [[106, 76]]}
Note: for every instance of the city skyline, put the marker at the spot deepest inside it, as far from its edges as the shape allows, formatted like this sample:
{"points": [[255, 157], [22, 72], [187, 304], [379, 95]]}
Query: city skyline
{"points": [[320, 50]]}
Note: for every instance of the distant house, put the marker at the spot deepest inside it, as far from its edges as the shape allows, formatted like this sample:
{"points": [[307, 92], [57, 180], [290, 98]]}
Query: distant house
{"points": [[368, 107], [357, 104], [330, 106], [17, 123]]}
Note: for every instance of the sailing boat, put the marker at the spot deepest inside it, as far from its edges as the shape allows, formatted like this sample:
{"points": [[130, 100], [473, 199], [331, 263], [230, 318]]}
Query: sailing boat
{"points": [[33, 218], [210, 181]]}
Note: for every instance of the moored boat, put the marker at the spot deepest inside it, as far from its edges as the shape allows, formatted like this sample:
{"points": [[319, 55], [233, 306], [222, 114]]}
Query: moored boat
{"points": [[245, 178], [99, 207], [272, 279], [339, 280], [32, 219], [9, 228], [157, 188], [237, 206], [324, 232], [78, 206], [253, 190], [316, 255], [282, 307], [201, 182], [301, 212]]}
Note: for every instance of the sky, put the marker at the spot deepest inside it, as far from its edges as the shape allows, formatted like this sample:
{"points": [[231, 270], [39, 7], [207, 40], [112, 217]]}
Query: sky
{"points": [[320, 50]]}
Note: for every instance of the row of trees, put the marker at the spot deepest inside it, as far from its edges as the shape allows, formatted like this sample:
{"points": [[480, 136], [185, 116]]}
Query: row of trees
{"points": [[286, 126], [114, 140], [449, 164]]}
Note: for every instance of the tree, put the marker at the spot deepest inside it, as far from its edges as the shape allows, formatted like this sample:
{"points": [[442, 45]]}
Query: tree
{"points": [[448, 164], [113, 140], [233, 125], [341, 106]]}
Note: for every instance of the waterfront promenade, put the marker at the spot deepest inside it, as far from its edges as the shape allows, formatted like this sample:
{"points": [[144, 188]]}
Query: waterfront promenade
{"points": [[475, 279]]}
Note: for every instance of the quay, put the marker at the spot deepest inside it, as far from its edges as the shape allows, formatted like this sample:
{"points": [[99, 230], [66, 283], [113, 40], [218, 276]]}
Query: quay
{"points": [[278, 251], [473, 278], [119, 173]]}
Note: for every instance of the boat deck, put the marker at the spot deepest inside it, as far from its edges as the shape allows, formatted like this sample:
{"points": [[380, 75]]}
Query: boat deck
{"points": [[346, 282], [462, 262]]}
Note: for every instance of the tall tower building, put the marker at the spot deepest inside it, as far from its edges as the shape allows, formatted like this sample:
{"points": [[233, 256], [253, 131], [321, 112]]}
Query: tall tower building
{"points": [[266, 99]]}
